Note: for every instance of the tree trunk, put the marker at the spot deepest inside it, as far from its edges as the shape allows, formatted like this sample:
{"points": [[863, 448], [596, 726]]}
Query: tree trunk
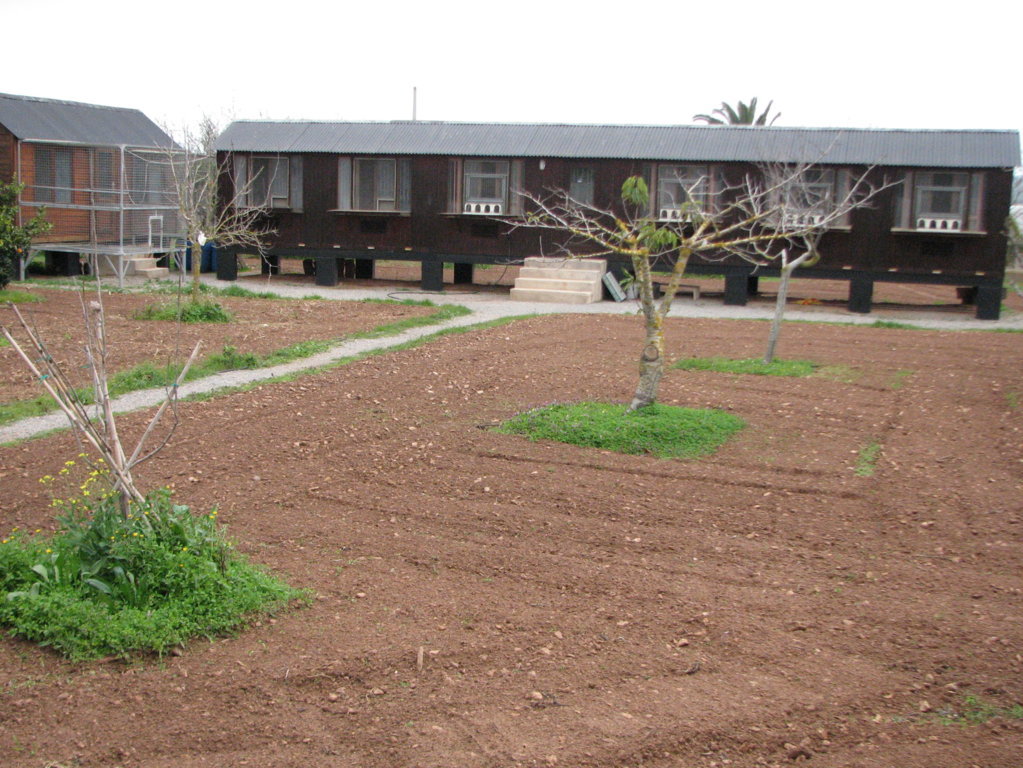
{"points": [[196, 270], [651, 362], [651, 366], [779, 311]]}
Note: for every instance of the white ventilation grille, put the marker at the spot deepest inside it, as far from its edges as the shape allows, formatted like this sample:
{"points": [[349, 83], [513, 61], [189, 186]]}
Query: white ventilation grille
{"points": [[939, 225], [484, 209], [801, 220], [670, 214]]}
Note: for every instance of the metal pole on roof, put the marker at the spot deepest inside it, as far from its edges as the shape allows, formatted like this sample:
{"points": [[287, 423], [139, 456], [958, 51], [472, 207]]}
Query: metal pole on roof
{"points": [[413, 103]]}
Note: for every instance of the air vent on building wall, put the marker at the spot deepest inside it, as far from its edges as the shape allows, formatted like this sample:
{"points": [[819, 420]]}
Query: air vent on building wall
{"points": [[670, 214], [939, 225], [803, 219], [491, 209]]}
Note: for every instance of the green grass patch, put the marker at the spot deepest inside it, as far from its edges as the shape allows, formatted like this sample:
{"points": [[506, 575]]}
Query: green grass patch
{"points": [[26, 409], [977, 711], [664, 431], [444, 312], [106, 584], [866, 461], [895, 325], [754, 366], [236, 291], [899, 378], [202, 311], [1012, 399], [18, 297]]}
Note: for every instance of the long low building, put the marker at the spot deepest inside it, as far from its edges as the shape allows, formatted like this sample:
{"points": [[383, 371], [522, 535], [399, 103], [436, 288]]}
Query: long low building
{"points": [[344, 194]]}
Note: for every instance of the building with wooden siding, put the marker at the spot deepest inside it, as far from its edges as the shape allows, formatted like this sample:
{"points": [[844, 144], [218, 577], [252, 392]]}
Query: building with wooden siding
{"points": [[101, 174], [345, 194]]}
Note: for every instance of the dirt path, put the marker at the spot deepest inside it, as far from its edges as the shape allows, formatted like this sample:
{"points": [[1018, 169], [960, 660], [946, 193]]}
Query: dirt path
{"points": [[764, 607]]}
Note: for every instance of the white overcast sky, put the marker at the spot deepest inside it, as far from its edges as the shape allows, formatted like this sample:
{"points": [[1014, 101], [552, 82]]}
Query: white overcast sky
{"points": [[889, 64]]}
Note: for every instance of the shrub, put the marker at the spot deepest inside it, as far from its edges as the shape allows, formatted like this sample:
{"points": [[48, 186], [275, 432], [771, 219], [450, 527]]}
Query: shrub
{"points": [[110, 584]]}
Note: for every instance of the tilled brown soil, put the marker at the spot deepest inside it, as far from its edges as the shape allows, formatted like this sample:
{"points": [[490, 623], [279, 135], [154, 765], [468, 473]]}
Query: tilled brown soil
{"points": [[258, 327], [486, 601]]}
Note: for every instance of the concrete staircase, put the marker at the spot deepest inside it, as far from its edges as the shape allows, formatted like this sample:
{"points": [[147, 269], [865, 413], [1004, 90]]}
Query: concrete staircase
{"points": [[565, 281], [137, 266], [146, 267]]}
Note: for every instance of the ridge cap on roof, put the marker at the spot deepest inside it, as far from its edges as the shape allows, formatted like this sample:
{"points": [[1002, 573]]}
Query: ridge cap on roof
{"points": [[499, 124], [65, 102]]}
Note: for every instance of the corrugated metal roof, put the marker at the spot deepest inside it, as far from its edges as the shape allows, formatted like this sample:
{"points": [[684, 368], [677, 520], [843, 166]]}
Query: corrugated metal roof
{"points": [[694, 143], [31, 118]]}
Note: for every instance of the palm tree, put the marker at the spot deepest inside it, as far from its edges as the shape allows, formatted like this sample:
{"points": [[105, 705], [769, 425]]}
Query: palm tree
{"points": [[743, 114]]}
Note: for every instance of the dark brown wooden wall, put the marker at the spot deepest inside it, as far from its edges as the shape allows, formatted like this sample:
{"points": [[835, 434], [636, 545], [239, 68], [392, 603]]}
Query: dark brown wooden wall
{"points": [[868, 245], [8, 168]]}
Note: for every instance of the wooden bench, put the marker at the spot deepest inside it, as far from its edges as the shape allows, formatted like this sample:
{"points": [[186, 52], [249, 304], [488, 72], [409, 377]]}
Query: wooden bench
{"points": [[686, 287]]}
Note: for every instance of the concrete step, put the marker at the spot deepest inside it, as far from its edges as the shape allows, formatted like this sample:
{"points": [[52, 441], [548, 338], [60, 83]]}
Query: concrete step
{"points": [[543, 262], [140, 262], [551, 296], [150, 273], [594, 289], [559, 273]]}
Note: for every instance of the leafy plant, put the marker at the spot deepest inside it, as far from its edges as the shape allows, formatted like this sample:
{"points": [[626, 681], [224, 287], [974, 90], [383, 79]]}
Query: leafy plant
{"points": [[15, 238], [661, 430], [109, 583]]}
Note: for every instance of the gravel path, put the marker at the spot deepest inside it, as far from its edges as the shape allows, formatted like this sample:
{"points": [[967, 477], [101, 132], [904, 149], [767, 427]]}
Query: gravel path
{"points": [[485, 306]]}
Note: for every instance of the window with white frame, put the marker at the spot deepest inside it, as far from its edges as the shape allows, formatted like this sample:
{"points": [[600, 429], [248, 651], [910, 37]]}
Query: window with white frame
{"points": [[485, 187], [810, 196], [581, 184], [939, 201], [380, 184], [681, 188], [268, 181]]}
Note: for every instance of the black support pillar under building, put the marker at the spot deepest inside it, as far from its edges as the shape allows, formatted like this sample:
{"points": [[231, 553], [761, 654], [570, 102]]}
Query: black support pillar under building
{"points": [[753, 285], [463, 274], [433, 275], [270, 265], [327, 271], [61, 263], [989, 302], [227, 265], [364, 269], [737, 288], [861, 294]]}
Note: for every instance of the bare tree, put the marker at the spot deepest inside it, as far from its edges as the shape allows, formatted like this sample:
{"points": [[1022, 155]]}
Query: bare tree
{"points": [[754, 218], [240, 221], [803, 206], [99, 428]]}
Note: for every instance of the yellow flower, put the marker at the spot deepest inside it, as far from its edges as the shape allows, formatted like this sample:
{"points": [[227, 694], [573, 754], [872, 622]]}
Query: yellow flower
{"points": [[49, 551]]}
